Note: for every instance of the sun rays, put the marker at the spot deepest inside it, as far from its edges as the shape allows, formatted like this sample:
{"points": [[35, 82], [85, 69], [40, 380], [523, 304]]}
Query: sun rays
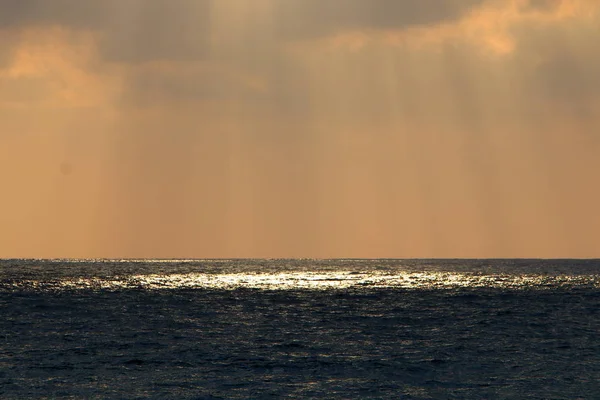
{"points": [[272, 128]]}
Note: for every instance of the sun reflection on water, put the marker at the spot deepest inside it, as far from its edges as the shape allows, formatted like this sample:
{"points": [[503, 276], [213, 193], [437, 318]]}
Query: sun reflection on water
{"points": [[328, 280]]}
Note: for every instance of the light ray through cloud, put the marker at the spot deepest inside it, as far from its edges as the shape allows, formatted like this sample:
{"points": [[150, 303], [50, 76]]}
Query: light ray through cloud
{"points": [[275, 128]]}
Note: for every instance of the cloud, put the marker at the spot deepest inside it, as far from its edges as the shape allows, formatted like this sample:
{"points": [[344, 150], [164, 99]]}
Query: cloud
{"points": [[55, 68], [542, 5], [17, 13], [131, 31], [203, 32], [562, 61], [310, 18], [143, 30]]}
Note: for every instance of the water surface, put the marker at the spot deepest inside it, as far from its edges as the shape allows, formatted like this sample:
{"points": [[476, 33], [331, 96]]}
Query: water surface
{"points": [[414, 329]]}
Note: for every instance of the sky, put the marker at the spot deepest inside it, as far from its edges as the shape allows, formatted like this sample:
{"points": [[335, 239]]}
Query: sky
{"points": [[299, 128]]}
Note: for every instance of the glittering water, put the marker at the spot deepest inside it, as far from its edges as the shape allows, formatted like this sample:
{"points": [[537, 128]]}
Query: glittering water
{"points": [[414, 329]]}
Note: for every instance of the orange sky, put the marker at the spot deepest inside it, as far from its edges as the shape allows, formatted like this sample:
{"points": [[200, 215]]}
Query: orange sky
{"points": [[299, 128]]}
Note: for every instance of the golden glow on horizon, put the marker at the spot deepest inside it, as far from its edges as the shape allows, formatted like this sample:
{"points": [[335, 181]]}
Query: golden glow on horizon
{"points": [[229, 129]]}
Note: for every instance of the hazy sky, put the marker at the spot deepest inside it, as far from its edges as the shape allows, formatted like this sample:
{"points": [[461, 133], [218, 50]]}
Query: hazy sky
{"points": [[299, 128]]}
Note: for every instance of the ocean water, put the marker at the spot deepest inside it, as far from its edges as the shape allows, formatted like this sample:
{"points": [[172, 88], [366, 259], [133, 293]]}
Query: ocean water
{"points": [[331, 329]]}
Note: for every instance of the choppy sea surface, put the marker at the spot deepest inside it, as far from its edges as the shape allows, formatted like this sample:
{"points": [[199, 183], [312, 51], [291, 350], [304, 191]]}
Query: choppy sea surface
{"points": [[338, 329]]}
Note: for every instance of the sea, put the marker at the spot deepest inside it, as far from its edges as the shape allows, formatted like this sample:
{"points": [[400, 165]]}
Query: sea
{"points": [[300, 329]]}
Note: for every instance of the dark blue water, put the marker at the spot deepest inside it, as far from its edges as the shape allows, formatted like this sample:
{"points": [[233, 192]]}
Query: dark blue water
{"points": [[416, 329]]}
